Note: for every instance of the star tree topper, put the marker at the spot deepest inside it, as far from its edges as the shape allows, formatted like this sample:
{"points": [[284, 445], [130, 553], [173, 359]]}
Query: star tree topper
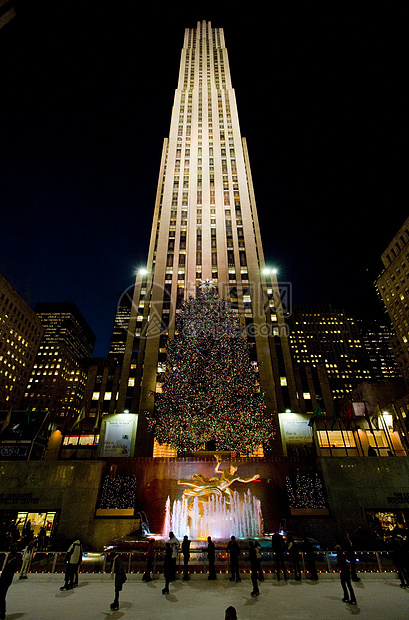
{"points": [[206, 284]]}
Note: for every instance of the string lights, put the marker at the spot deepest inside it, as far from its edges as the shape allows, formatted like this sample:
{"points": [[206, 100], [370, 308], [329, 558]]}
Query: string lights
{"points": [[118, 492], [306, 491], [210, 392]]}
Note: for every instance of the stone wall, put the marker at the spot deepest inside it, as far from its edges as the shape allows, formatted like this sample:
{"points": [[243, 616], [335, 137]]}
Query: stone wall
{"points": [[355, 485], [70, 488]]}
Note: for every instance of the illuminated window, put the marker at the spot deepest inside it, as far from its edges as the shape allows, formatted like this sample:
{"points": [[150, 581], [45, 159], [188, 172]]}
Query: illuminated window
{"points": [[336, 439], [95, 395], [163, 450], [283, 381]]}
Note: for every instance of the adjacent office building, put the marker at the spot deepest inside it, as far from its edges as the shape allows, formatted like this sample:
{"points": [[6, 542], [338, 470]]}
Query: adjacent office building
{"points": [[20, 335], [325, 337], [58, 378], [393, 288], [377, 336]]}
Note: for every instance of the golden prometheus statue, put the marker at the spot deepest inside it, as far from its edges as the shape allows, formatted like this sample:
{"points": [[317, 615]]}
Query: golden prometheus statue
{"points": [[204, 488]]}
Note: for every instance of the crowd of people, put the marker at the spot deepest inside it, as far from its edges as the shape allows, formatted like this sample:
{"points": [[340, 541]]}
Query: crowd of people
{"points": [[283, 549], [286, 553], [16, 534]]}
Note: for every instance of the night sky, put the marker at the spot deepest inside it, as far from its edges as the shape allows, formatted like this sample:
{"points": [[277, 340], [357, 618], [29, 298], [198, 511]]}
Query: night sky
{"points": [[85, 100]]}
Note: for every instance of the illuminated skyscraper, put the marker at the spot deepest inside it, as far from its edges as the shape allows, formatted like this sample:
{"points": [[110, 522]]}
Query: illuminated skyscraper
{"points": [[393, 288], [20, 337], [205, 227], [59, 373], [330, 340]]}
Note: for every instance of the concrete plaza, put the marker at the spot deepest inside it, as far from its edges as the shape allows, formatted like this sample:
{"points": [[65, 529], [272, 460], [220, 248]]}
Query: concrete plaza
{"points": [[39, 598]]}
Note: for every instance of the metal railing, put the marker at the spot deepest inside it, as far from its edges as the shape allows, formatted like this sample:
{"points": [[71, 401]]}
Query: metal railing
{"points": [[135, 562]]}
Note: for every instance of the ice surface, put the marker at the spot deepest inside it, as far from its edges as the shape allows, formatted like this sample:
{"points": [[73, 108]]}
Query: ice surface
{"points": [[39, 598]]}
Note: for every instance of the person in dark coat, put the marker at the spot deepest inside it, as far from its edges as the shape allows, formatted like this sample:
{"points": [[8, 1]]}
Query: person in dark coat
{"points": [[278, 547], [150, 554], [211, 555], [350, 554], [309, 555], [345, 575], [254, 568], [119, 574], [42, 540], [400, 559], [233, 550], [186, 557], [294, 557], [230, 613], [73, 559], [6, 578], [167, 568]]}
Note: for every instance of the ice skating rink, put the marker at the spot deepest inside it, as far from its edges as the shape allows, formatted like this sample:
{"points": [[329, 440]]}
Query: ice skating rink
{"points": [[39, 598]]}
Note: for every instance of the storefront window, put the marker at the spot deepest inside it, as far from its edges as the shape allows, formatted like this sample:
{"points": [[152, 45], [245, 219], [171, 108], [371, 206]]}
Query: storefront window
{"points": [[383, 524], [37, 521]]}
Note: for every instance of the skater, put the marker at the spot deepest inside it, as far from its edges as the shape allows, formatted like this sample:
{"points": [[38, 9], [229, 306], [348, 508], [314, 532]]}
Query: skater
{"points": [[150, 554], [350, 554], [230, 613], [254, 568], [27, 556], [257, 547], [278, 547], [233, 550], [211, 554], [400, 559], [294, 557], [186, 556], [174, 545], [118, 573], [308, 550], [77, 567], [167, 568], [73, 559], [6, 578], [345, 575]]}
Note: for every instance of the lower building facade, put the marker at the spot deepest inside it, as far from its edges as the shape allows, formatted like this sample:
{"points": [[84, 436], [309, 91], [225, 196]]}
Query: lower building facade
{"points": [[105, 500]]}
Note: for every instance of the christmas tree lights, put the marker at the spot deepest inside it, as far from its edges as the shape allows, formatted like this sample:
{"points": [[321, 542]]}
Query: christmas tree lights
{"points": [[210, 391]]}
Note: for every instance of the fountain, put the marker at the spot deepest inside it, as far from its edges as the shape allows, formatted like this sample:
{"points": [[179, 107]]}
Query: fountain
{"points": [[242, 518], [209, 507]]}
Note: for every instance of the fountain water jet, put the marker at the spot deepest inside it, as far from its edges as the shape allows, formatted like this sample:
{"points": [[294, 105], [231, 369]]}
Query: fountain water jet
{"points": [[240, 516], [209, 507]]}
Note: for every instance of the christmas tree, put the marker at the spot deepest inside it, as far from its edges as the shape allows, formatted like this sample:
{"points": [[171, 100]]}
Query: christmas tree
{"points": [[210, 391]]}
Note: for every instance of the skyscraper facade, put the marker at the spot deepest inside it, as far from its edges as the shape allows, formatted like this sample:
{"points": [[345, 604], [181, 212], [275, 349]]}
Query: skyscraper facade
{"points": [[393, 288], [377, 336], [327, 337], [59, 374], [205, 227], [20, 337]]}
